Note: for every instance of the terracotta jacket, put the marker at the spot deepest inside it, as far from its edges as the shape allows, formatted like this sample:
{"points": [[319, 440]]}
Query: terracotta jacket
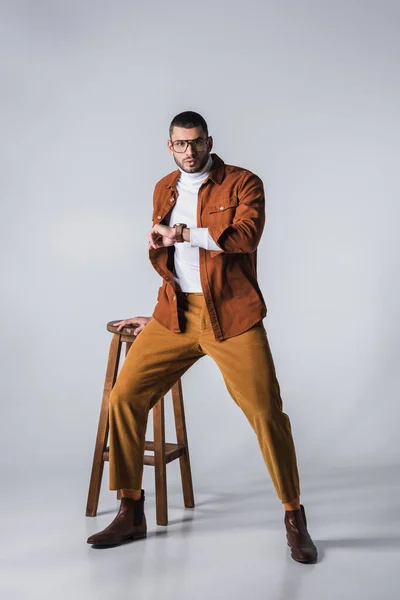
{"points": [[231, 204]]}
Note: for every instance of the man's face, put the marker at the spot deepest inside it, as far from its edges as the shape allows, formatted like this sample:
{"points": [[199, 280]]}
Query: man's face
{"points": [[193, 159]]}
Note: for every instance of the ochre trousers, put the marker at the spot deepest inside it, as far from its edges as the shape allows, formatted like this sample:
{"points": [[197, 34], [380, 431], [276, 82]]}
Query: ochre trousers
{"points": [[158, 358]]}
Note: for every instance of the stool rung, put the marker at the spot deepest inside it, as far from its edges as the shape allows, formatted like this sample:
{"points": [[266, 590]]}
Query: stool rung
{"points": [[168, 446], [172, 452]]}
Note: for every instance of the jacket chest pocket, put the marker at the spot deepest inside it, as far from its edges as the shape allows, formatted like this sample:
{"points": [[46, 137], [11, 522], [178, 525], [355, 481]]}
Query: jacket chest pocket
{"points": [[223, 211]]}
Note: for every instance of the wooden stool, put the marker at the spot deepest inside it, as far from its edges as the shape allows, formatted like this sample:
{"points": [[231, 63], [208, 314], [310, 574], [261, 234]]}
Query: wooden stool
{"points": [[163, 452]]}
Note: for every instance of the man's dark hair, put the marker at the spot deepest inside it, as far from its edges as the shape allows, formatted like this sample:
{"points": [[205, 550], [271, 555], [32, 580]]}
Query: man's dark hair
{"points": [[188, 119]]}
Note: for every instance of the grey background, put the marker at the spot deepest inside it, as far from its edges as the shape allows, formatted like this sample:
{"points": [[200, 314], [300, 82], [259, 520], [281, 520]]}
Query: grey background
{"points": [[306, 95]]}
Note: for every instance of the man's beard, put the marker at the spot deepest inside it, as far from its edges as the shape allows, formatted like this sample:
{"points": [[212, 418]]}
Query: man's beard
{"points": [[195, 169]]}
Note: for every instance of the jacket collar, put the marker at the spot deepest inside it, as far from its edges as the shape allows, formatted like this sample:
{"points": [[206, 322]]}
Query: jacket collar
{"points": [[216, 174]]}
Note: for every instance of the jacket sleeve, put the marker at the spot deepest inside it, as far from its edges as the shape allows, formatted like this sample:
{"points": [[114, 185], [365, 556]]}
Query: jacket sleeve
{"points": [[244, 234]]}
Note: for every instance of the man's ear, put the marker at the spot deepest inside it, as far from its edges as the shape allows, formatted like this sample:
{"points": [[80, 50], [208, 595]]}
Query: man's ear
{"points": [[169, 145], [210, 143]]}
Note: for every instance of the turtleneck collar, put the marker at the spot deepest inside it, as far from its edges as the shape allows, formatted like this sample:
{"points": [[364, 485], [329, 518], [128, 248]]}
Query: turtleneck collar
{"points": [[193, 178]]}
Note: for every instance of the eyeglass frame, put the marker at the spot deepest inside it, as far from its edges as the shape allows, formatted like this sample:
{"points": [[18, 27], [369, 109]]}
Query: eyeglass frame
{"points": [[191, 142]]}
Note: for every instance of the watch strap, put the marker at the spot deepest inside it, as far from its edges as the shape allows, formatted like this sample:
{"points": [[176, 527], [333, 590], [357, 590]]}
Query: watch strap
{"points": [[179, 227]]}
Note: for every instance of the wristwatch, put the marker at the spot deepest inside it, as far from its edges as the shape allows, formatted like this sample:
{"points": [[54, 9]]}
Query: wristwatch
{"points": [[179, 227]]}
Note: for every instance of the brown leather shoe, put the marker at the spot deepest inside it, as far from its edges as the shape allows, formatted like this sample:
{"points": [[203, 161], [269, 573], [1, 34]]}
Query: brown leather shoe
{"points": [[129, 524], [299, 540]]}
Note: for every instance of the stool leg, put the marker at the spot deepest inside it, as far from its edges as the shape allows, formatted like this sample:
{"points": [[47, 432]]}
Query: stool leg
{"points": [[181, 436], [102, 430], [127, 348], [160, 467]]}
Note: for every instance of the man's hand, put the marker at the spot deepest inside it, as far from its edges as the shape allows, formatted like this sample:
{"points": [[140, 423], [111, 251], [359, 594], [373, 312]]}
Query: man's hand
{"points": [[161, 236], [141, 321]]}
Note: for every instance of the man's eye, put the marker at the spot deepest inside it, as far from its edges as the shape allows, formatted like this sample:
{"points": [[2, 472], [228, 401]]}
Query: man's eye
{"points": [[179, 143]]}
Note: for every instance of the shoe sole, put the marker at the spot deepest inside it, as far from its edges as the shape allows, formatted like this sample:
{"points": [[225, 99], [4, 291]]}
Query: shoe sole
{"points": [[309, 561], [129, 538]]}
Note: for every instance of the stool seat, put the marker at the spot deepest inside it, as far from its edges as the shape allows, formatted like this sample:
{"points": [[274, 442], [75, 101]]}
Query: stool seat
{"points": [[163, 452], [127, 330]]}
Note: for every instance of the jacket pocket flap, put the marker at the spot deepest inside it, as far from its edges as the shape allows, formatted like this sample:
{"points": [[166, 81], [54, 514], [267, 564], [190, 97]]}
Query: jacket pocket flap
{"points": [[223, 205]]}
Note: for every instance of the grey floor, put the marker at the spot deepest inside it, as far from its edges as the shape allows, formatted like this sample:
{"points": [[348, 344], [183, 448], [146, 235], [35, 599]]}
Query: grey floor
{"points": [[232, 545]]}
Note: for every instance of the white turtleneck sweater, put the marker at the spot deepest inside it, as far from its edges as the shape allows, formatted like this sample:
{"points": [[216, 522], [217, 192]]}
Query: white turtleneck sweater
{"points": [[186, 257]]}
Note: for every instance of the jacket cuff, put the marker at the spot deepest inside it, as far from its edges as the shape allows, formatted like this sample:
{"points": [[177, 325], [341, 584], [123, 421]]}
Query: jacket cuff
{"points": [[216, 232]]}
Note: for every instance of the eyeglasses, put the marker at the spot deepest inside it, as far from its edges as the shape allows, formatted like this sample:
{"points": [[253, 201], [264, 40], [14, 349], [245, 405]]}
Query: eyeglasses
{"points": [[198, 145]]}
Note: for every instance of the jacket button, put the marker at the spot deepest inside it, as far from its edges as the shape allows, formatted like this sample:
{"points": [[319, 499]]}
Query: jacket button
{"points": [[159, 217], [172, 200], [221, 208], [174, 298]]}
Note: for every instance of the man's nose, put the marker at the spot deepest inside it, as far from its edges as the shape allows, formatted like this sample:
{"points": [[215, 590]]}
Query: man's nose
{"points": [[189, 150]]}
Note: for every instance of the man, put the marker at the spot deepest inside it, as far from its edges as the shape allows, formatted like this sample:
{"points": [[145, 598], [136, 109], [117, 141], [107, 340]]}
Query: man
{"points": [[208, 218]]}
